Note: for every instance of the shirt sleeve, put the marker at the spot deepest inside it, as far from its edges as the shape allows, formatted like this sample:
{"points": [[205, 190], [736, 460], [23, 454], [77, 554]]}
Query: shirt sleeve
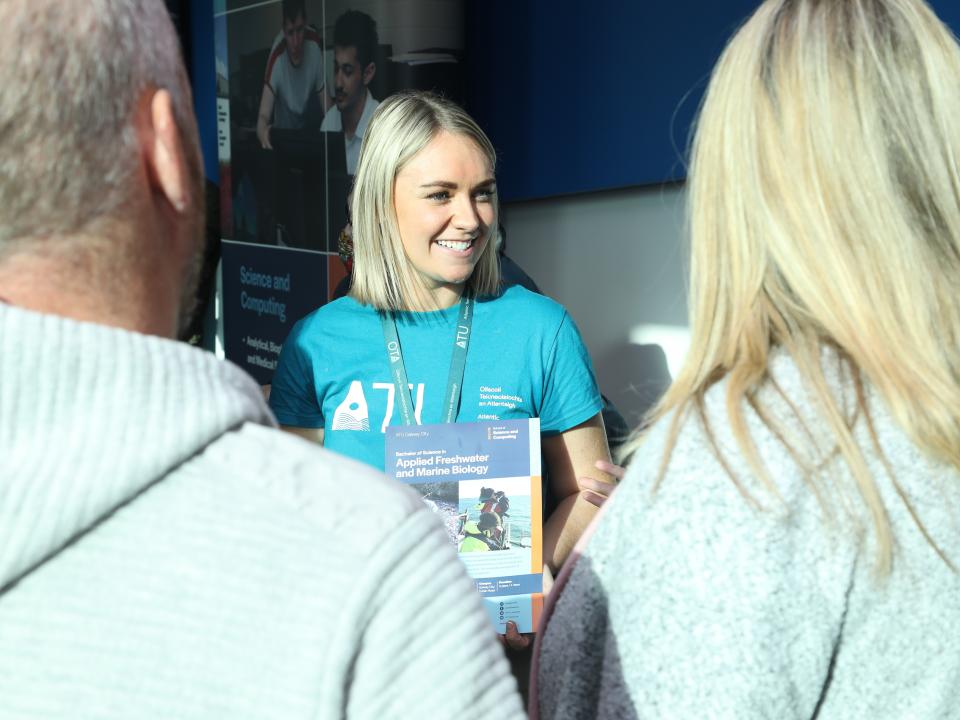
{"points": [[428, 648], [571, 395], [293, 394], [328, 125]]}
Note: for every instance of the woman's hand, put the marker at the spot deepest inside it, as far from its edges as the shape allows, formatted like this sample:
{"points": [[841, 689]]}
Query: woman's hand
{"points": [[598, 491], [513, 640]]}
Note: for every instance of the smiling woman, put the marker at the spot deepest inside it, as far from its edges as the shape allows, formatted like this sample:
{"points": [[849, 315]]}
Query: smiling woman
{"points": [[425, 210]]}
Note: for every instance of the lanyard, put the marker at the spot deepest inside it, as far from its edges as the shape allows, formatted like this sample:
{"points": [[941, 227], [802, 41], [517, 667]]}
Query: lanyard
{"points": [[451, 398]]}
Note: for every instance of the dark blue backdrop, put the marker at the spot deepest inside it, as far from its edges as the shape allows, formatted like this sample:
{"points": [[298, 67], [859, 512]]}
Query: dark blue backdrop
{"points": [[581, 96], [204, 80]]}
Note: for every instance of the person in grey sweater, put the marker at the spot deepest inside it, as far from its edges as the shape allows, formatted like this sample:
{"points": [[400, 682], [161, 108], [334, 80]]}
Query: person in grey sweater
{"points": [[786, 540], [166, 551]]}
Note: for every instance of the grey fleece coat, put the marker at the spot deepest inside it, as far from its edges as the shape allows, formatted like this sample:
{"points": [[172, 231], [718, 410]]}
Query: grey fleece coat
{"points": [[166, 553], [691, 602]]}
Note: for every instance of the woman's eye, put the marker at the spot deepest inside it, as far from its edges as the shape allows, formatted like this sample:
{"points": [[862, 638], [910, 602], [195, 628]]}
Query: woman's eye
{"points": [[439, 195], [485, 195]]}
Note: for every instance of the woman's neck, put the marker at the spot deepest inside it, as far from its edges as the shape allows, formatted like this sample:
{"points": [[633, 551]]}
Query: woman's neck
{"points": [[440, 297]]}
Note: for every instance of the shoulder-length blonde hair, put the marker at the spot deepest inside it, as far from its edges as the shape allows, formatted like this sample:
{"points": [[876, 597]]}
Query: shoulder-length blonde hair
{"points": [[400, 128], [824, 210]]}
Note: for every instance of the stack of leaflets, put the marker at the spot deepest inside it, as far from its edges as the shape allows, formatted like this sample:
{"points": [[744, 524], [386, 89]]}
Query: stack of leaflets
{"points": [[483, 480]]}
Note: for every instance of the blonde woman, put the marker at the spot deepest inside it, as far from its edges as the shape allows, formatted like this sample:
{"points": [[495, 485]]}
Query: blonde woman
{"points": [[424, 210], [785, 542]]}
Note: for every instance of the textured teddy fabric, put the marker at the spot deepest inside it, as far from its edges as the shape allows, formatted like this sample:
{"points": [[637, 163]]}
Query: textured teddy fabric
{"points": [[165, 553], [691, 602]]}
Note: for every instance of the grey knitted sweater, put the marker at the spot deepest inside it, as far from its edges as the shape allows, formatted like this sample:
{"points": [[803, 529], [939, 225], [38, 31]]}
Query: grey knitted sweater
{"points": [[690, 602], [166, 553]]}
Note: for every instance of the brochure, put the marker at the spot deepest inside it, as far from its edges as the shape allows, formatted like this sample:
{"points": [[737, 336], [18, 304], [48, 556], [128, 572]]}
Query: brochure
{"points": [[483, 479]]}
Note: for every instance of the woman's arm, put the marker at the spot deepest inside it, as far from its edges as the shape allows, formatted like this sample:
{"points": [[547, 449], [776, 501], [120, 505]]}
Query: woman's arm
{"points": [[570, 455], [312, 434]]}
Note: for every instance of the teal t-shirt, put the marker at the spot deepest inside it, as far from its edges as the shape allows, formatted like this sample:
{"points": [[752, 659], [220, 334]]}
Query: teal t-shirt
{"points": [[526, 359]]}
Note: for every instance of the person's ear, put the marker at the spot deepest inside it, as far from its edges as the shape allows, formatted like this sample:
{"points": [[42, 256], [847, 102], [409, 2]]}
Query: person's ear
{"points": [[368, 72], [164, 151]]}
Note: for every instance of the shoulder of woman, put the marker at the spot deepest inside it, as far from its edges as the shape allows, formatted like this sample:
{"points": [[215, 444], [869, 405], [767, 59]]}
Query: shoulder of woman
{"points": [[690, 486], [695, 451], [517, 299], [339, 310]]}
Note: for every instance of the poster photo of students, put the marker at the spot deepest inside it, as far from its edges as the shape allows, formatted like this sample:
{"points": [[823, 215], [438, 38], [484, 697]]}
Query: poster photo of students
{"points": [[302, 79]]}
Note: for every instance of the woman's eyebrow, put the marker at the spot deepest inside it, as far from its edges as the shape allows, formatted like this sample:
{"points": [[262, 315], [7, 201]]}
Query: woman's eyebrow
{"points": [[453, 186]]}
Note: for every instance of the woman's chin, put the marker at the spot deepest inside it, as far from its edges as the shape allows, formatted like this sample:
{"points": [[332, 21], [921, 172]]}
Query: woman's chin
{"points": [[452, 282]]}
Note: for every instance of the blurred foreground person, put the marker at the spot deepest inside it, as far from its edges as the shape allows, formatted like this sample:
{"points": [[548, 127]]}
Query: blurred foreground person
{"points": [[786, 540], [165, 551]]}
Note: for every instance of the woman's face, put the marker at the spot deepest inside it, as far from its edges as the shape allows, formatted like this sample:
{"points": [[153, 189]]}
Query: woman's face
{"points": [[443, 198]]}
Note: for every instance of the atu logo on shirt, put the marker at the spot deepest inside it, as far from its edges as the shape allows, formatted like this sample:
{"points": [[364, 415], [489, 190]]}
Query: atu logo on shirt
{"points": [[353, 413]]}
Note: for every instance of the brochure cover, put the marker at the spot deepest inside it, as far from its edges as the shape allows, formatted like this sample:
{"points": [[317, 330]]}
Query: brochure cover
{"points": [[484, 481]]}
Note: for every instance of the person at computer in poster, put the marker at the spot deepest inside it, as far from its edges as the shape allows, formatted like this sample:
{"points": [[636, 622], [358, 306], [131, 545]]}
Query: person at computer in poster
{"points": [[354, 44], [293, 83]]}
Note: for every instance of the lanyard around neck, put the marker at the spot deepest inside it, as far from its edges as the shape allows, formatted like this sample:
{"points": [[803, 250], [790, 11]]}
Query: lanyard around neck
{"points": [[451, 398]]}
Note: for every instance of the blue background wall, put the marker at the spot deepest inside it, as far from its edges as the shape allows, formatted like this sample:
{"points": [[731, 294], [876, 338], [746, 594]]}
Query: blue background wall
{"points": [[581, 96]]}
